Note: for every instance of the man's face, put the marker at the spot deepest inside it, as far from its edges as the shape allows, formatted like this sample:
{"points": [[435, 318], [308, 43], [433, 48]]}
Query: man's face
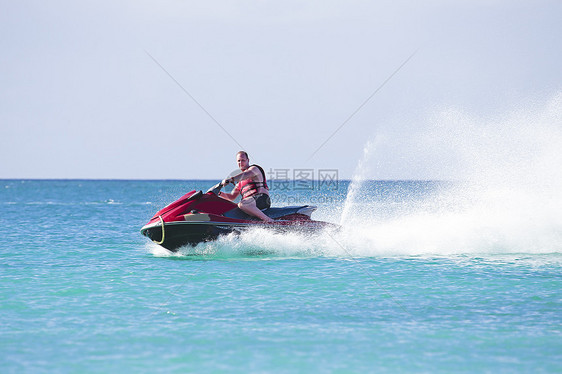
{"points": [[242, 162]]}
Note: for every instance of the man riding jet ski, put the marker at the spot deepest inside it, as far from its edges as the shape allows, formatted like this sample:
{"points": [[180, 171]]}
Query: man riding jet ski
{"points": [[251, 184], [199, 217]]}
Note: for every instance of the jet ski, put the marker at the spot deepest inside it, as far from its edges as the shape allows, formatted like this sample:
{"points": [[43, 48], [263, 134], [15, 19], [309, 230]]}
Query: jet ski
{"points": [[198, 217]]}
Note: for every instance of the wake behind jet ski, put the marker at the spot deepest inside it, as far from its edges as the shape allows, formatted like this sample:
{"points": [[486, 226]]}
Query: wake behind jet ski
{"points": [[199, 217]]}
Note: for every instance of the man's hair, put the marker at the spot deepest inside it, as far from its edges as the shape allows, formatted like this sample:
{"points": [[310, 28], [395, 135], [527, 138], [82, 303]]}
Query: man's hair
{"points": [[243, 153]]}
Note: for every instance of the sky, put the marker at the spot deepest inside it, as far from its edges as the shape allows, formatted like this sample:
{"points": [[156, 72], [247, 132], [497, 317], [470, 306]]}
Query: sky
{"points": [[133, 89]]}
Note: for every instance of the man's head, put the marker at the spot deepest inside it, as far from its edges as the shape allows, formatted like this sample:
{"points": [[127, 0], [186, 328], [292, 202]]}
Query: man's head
{"points": [[242, 160]]}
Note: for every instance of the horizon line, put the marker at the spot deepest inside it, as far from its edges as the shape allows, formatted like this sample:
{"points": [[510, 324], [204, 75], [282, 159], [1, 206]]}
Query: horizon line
{"points": [[216, 179]]}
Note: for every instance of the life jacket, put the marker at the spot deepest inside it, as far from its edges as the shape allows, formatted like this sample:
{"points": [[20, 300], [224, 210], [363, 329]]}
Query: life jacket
{"points": [[248, 187]]}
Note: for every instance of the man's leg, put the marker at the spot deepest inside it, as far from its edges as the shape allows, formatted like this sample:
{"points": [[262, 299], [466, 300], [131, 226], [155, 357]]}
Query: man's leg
{"points": [[248, 205]]}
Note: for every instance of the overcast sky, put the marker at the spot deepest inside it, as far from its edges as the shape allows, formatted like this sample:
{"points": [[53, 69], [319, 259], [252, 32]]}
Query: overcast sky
{"points": [[80, 96]]}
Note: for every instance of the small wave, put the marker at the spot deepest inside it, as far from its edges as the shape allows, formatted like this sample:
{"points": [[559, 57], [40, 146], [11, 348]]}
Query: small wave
{"points": [[252, 243], [406, 238]]}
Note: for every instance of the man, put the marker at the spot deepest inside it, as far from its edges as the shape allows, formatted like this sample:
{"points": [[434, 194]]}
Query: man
{"points": [[251, 184]]}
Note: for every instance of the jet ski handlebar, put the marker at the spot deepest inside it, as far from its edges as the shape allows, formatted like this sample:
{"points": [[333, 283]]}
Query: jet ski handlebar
{"points": [[217, 187]]}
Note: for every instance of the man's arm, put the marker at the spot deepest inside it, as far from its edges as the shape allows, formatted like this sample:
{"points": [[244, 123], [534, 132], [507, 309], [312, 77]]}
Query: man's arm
{"points": [[230, 196], [249, 173]]}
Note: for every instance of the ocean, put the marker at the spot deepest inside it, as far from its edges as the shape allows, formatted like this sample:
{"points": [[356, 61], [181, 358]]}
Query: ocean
{"points": [[423, 276]]}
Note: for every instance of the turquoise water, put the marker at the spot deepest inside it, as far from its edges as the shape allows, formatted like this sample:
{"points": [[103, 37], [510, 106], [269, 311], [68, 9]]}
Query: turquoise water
{"points": [[423, 277]]}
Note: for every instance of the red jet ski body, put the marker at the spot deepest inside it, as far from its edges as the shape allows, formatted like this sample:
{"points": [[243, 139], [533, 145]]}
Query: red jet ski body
{"points": [[199, 217]]}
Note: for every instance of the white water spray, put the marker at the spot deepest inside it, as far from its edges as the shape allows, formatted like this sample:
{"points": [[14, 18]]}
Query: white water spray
{"points": [[355, 192], [510, 200]]}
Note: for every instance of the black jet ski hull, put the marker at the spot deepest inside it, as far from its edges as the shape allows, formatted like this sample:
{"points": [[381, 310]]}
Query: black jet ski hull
{"points": [[180, 234]]}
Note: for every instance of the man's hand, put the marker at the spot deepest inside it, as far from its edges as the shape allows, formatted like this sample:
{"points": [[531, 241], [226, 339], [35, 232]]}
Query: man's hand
{"points": [[227, 181]]}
